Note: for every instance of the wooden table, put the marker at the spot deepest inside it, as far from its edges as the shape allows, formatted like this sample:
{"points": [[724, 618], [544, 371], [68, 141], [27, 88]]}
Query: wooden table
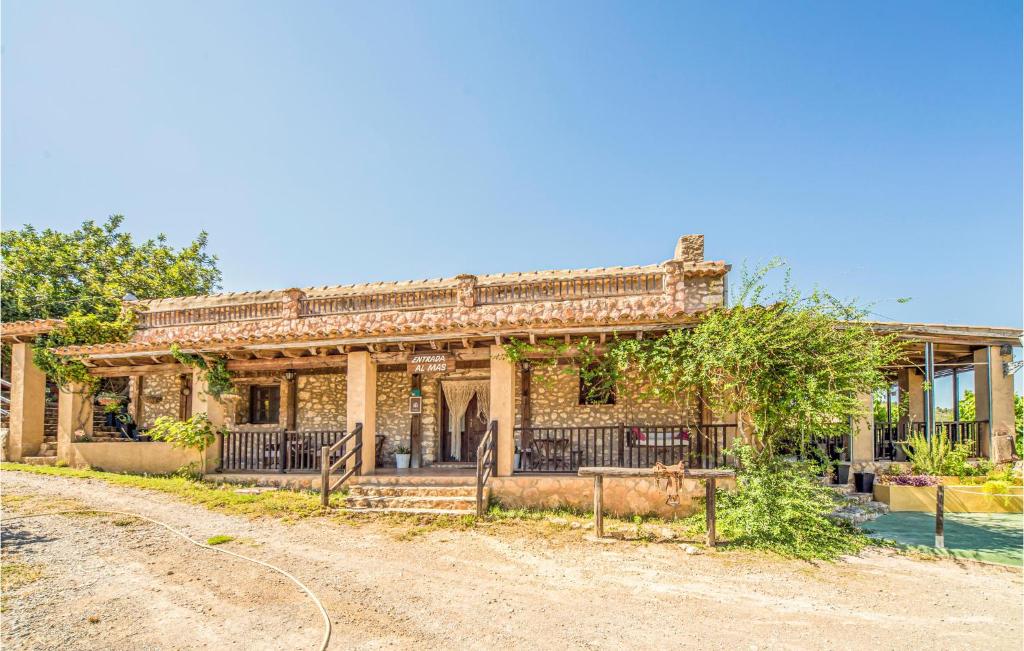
{"points": [[710, 478]]}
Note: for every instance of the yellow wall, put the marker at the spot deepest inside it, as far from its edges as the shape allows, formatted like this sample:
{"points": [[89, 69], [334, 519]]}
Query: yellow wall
{"points": [[154, 457], [958, 499]]}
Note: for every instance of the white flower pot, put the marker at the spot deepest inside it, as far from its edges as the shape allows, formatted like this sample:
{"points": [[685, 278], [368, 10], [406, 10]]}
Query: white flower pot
{"points": [[402, 460]]}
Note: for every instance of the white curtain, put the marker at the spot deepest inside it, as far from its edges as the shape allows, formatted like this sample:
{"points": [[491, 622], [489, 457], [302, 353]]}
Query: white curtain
{"points": [[457, 395], [482, 389]]}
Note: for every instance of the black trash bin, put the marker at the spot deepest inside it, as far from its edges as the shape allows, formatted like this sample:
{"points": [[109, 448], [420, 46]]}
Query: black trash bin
{"points": [[864, 482]]}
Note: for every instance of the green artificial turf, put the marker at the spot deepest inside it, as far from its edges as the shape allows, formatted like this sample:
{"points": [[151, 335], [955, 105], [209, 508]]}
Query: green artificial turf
{"points": [[989, 537]]}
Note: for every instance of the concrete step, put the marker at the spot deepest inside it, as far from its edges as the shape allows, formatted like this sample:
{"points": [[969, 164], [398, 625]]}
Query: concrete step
{"points": [[40, 461], [418, 490], [398, 479], [413, 511], [418, 502], [468, 465]]}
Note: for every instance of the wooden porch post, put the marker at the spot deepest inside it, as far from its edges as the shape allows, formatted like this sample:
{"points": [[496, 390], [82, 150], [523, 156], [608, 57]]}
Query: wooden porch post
{"points": [[416, 425]]}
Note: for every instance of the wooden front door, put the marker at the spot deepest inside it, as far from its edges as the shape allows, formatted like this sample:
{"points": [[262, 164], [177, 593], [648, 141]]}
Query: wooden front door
{"points": [[475, 430]]}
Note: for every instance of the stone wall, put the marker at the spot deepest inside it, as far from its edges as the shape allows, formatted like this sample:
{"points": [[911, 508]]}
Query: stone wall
{"points": [[321, 402], [622, 496], [161, 396], [554, 402], [393, 417]]}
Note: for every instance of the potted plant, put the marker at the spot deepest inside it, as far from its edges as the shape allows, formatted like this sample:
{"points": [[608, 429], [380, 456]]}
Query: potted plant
{"points": [[402, 456], [863, 482], [108, 399], [126, 424]]}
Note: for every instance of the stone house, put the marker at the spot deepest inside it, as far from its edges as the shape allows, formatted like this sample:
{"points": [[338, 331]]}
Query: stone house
{"points": [[420, 368]]}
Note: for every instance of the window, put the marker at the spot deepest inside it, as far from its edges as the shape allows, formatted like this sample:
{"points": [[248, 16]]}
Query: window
{"points": [[596, 388], [264, 404]]}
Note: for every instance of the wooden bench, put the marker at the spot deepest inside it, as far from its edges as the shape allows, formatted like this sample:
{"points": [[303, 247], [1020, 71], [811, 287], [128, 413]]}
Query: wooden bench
{"points": [[709, 476]]}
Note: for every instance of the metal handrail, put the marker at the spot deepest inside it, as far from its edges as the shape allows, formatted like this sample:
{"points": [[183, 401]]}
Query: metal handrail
{"points": [[326, 467], [485, 464]]}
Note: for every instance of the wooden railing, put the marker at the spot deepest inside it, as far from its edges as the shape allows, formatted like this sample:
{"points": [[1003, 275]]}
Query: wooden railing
{"points": [[889, 437], [485, 460], [566, 449], [558, 289], [327, 467], [216, 314], [274, 450]]}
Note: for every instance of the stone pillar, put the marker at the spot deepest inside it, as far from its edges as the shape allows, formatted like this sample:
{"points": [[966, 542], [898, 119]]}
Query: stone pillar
{"points": [[28, 402], [911, 384], [862, 448], [74, 412], [204, 403], [993, 401], [361, 405], [503, 408]]}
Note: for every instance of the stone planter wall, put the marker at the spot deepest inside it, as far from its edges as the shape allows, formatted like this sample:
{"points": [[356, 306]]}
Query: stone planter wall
{"points": [[622, 496], [968, 500]]}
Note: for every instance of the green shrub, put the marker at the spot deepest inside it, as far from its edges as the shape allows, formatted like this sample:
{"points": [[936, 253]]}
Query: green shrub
{"points": [[782, 507], [927, 456]]}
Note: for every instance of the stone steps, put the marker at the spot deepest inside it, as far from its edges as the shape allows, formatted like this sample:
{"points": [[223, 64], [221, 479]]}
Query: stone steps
{"points": [[443, 496], [40, 461], [411, 511], [418, 490], [417, 502]]}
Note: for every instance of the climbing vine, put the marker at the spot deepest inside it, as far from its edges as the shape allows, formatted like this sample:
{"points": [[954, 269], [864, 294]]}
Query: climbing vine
{"points": [[79, 330], [215, 371], [601, 374]]}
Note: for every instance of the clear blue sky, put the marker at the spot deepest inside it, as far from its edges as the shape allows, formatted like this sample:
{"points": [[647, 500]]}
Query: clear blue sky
{"points": [[874, 145]]}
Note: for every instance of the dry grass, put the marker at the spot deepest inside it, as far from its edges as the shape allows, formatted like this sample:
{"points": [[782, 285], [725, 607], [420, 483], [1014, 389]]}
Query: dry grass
{"points": [[282, 504]]}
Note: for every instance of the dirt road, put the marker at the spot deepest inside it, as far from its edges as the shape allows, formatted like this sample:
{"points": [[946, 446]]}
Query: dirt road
{"points": [[112, 583]]}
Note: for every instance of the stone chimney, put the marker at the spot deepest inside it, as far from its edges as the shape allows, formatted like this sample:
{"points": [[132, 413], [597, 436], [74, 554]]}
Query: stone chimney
{"points": [[690, 248]]}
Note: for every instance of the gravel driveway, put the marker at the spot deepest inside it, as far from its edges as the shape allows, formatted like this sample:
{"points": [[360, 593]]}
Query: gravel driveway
{"points": [[115, 583]]}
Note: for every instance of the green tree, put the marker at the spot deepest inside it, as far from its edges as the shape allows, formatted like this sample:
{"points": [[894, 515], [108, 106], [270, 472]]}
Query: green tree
{"points": [[791, 362], [81, 277], [52, 274]]}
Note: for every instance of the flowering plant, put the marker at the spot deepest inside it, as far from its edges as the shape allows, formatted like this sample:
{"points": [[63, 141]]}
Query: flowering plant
{"points": [[910, 480]]}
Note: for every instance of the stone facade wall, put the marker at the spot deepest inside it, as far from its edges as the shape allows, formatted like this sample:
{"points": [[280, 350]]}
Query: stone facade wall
{"points": [[166, 387], [554, 402], [320, 403], [393, 417]]}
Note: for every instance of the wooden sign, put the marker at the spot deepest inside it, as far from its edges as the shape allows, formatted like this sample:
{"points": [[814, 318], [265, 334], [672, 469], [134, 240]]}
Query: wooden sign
{"points": [[434, 362], [415, 404]]}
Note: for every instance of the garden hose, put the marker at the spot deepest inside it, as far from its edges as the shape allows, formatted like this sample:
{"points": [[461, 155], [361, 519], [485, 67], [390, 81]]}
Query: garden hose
{"points": [[323, 611]]}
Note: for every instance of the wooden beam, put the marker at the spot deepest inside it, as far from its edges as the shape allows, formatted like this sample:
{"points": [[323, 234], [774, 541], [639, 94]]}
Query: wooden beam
{"points": [[144, 369], [285, 363], [266, 354], [239, 354], [293, 353]]}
